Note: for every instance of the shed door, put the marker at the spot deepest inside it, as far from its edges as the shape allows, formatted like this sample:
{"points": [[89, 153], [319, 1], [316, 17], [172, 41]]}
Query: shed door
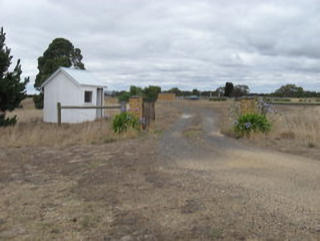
{"points": [[99, 102]]}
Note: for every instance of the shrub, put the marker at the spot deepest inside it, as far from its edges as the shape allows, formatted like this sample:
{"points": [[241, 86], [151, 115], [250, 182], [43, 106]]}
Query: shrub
{"points": [[122, 122], [252, 122], [7, 121], [124, 97], [150, 93], [38, 101]]}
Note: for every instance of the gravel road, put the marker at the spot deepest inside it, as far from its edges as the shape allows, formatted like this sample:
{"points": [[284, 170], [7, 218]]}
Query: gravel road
{"points": [[268, 195]]}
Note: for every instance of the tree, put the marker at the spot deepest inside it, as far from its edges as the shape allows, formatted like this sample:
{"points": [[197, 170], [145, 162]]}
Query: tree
{"points": [[176, 91], [123, 96], [151, 92], [240, 90], [135, 91], [195, 92], [219, 91], [289, 90], [60, 53], [12, 90], [228, 89]]}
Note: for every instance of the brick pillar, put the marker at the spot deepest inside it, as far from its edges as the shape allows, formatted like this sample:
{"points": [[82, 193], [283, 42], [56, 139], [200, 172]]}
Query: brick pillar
{"points": [[136, 106]]}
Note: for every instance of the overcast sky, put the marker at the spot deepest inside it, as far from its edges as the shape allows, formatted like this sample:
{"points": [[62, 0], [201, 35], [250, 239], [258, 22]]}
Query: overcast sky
{"points": [[189, 44]]}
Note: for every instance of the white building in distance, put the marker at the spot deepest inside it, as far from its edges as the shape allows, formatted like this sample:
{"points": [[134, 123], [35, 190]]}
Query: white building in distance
{"points": [[72, 87]]}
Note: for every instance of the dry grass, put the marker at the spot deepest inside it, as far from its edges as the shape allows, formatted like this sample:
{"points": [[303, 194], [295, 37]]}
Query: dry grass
{"points": [[28, 113], [32, 131], [38, 133], [297, 123], [295, 129]]}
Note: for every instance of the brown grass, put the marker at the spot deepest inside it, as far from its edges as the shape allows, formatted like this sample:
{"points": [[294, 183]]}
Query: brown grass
{"points": [[38, 133], [32, 131], [297, 123], [295, 129]]}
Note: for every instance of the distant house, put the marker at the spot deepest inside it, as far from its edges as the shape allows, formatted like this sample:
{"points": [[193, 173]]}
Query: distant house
{"points": [[72, 87]]}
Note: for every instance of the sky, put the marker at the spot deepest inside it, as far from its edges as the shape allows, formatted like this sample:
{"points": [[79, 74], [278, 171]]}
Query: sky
{"points": [[174, 43]]}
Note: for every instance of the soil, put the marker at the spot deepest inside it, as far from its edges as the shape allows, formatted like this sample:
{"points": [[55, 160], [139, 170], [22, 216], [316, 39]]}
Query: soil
{"points": [[188, 182]]}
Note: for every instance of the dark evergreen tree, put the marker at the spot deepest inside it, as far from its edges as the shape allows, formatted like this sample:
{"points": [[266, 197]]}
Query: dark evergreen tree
{"points": [[228, 89], [60, 53], [12, 90]]}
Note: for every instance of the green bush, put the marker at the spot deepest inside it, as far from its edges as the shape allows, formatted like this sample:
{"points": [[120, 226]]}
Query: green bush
{"points": [[7, 121], [38, 101], [124, 121], [124, 97], [248, 123]]}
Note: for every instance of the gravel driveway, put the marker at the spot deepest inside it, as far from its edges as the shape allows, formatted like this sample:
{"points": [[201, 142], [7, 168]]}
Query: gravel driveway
{"points": [[267, 195]]}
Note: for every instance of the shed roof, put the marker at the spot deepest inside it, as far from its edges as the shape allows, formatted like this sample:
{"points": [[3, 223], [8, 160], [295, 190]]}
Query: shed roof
{"points": [[80, 76]]}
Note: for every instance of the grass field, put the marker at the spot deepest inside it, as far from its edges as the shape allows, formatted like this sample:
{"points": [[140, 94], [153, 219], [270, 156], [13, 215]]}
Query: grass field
{"points": [[295, 128], [293, 101], [182, 180], [32, 131]]}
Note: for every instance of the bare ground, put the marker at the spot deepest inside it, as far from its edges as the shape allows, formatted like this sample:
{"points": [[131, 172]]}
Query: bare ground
{"points": [[188, 183]]}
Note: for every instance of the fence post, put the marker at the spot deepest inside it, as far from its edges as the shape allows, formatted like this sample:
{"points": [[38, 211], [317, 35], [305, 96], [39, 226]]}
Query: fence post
{"points": [[59, 113], [153, 111]]}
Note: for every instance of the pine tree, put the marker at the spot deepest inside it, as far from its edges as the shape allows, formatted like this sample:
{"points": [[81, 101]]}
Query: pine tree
{"points": [[60, 53], [12, 90], [228, 89]]}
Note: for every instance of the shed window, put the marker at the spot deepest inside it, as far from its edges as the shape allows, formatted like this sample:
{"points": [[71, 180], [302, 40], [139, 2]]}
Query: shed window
{"points": [[88, 96]]}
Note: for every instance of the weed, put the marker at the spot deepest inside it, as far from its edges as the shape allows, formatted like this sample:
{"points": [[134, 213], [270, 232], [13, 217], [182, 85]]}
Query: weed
{"points": [[311, 145], [124, 121], [216, 233]]}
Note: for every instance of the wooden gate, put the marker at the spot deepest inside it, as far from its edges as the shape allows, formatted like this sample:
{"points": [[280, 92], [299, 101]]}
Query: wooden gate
{"points": [[149, 114], [143, 110]]}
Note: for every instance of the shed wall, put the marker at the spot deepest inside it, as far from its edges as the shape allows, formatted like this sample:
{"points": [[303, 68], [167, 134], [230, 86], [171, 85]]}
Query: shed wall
{"points": [[62, 89]]}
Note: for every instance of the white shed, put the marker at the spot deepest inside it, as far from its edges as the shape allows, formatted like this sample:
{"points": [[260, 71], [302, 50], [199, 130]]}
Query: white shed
{"points": [[72, 87]]}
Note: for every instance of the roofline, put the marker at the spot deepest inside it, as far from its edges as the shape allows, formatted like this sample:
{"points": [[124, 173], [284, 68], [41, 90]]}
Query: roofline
{"points": [[101, 86], [61, 69], [50, 77]]}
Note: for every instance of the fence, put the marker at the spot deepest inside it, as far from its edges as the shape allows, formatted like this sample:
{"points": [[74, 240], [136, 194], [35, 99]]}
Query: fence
{"points": [[122, 108], [145, 111]]}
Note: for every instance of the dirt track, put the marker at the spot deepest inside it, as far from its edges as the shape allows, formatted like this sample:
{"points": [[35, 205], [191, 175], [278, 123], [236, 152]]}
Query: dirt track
{"points": [[189, 183]]}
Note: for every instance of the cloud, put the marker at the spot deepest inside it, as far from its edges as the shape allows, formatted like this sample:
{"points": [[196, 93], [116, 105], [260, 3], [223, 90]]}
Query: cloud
{"points": [[189, 44]]}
